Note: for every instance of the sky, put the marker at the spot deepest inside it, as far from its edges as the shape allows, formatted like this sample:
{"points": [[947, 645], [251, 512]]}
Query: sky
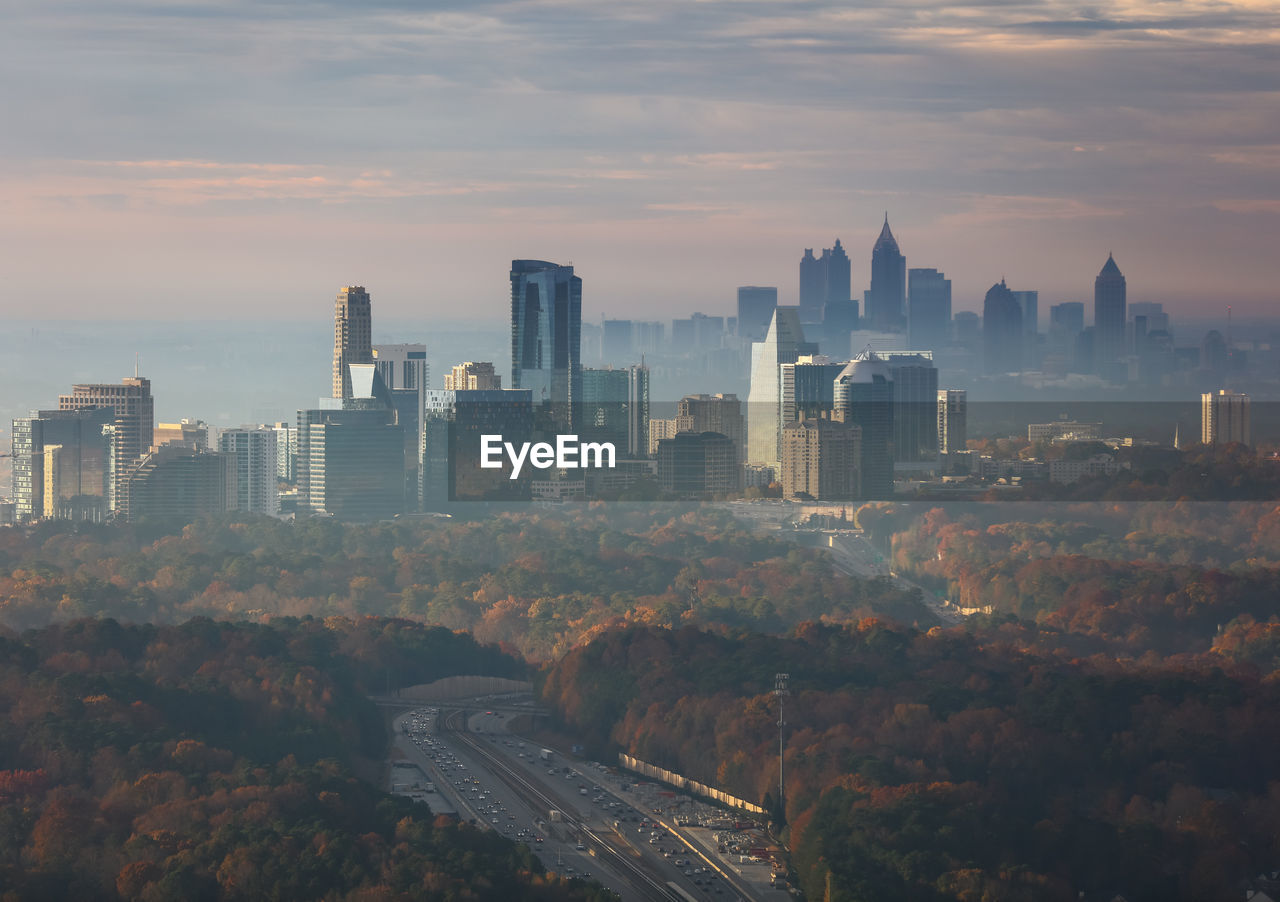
{"points": [[199, 160]]}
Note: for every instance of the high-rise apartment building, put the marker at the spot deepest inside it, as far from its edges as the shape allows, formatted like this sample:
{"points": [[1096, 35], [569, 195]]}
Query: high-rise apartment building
{"points": [[755, 310], [783, 343], [1002, 336], [133, 411], [820, 460], [1224, 418], [884, 301], [953, 429], [352, 336], [473, 376], [1109, 315], [546, 336], [864, 397], [256, 461], [178, 481], [928, 308], [286, 451]]}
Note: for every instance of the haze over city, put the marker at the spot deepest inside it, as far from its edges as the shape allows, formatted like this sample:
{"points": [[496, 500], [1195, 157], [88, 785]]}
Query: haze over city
{"points": [[218, 161]]}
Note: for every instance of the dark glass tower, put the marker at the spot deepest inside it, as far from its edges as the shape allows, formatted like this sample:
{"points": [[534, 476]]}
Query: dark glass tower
{"points": [[888, 292], [1002, 330], [863, 396], [1108, 314], [929, 309], [546, 336]]}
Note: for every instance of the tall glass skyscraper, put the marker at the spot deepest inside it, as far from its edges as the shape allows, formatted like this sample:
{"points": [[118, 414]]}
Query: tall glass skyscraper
{"points": [[546, 336], [929, 308], [352, 336], [783, 343]]}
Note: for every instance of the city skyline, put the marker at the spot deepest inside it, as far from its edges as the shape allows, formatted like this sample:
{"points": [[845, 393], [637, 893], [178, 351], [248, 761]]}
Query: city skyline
{"points": [[179, 154]]}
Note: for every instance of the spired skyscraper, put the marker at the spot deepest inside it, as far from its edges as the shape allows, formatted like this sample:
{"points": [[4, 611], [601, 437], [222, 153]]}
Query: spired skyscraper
{"points": [[352, 336], [885, 300], [1109, 315], [546, 336]]}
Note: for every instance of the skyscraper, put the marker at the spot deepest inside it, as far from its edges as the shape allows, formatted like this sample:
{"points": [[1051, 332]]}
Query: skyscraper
{"points": [[953, 432], [615, 408], [1066, 321], [783, 343], [1224, 418], [1109, 314], [928, 308], [885, 300], [813, 283], [352, 336], [256, 463], [1002, 337], [820, 460], [915, 405], [864, 397], [134, 422], [473, 376], [403, 367], [546, 336], [1029, 301], [62, 464], [755, 309], [713, 413], [838, 274]]}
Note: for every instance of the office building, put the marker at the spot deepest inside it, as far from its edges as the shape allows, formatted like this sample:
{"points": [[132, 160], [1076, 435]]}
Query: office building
{"points": [[253, 449], [352, 336], [351, 462], [451, 454], [1066, 321], [1029, 302], [1109, 315], [953, 429], [546, 336], [864, 397], [616, 342], [783, 343], [886, 298], [1224, 418], [807, 388], [823, 280], [1157, 319], [62, 464], [133, 422], [660, 429], [615, 408], [193, 433], [403, 367], [928, 308], [698, 465], [820, 460], [1002, 337], [915, 405], [755, 311], [839, 321], [178, 481], [713, 413]]}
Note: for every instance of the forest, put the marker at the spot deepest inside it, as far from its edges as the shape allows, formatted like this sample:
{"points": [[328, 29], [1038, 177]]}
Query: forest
{"points": [[1108, 727], [218, 761], [536, 583]]}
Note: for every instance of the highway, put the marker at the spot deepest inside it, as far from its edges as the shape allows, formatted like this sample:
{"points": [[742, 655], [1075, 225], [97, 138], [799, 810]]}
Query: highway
{"points": [[856, 556]]}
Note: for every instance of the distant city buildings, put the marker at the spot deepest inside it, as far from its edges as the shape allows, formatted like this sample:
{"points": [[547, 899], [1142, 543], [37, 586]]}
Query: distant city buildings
{"points": [[1224, 418], [820, 459], [403, 367], [823, 280], [615, 408], [179, 481], [352, 336], [698, 465], [133, 424], [864, 398], [193, 433], [62, 464], [713, 413], [783, 343]]}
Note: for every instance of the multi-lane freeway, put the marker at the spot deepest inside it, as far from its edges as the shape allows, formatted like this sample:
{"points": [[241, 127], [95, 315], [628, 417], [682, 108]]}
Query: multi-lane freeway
{"points": [[571, 815]]}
